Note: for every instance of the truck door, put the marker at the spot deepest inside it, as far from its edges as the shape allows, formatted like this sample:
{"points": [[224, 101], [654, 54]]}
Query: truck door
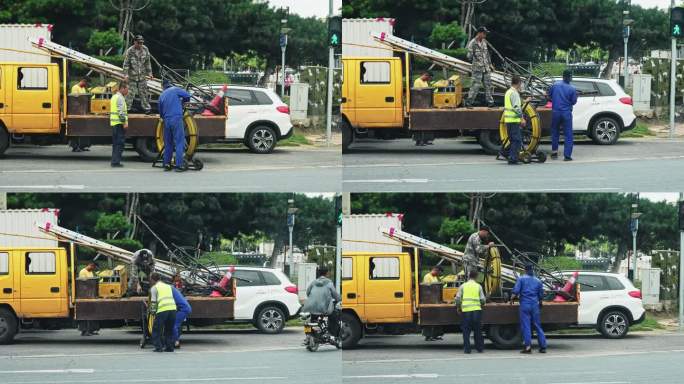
{"points": [[385, 290], [43, 284], [351, 290], [348, 104], [5, 110], [7, 290], [378, 97], [35, 99]]}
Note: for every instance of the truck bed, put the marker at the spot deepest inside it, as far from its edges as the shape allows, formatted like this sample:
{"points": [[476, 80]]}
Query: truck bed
{"points": [[130, 308], [498, 313], [476, 118], [139, 125]]}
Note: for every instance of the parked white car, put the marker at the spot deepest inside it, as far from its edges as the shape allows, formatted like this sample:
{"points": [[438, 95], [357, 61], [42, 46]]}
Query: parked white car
{"points": [[265, 297], [603, 110], [609, 302], [256, 117]]}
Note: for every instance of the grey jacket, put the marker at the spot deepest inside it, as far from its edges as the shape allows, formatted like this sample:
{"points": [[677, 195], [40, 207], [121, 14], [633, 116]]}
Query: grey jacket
{"points": [[321, 297], [474, 249]]}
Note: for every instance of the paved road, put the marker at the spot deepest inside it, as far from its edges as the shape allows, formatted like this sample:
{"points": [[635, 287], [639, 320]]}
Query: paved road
{"points": [[43, 357], [639, 358], [287, 169], [646, 165]]}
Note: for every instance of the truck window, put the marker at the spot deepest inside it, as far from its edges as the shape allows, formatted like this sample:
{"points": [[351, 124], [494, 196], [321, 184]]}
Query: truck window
{"points": [[375, 72], [40, 263], [31, 78], [384, 268], [347, 273], [4, 263]]}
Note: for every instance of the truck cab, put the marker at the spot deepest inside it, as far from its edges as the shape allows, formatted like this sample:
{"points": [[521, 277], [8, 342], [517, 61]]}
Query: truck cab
{"points": [[33, 286]]}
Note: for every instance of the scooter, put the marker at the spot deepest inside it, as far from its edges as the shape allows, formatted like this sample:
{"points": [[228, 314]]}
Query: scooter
{"points": [[317, 331]]}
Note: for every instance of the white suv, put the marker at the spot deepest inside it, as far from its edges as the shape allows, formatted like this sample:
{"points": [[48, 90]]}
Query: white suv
{"points": [[256, 117], [608, 302], [265, 297], [603, 110]]}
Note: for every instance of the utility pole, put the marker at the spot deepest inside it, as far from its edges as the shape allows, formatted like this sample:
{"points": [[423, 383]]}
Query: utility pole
{"points": [[3, 200], [339, 213], [626, 23], [673, 77], [634, 226], [331, 73], [681, 261], [291, 210]]}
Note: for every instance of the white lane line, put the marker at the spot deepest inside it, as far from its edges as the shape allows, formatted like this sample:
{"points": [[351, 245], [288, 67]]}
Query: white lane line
{"points": [[388, 181], [262, 349], [596, 382], [41, 371], [157, 380], [408, 376], [22, 187]]}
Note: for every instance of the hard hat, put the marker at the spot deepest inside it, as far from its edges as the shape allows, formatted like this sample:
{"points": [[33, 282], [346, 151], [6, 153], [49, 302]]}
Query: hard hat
{"points": [[483, 29]]}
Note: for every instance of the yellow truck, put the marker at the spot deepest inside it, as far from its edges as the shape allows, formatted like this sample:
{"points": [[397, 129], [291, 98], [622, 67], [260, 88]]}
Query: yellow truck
{"points": [[39, 289], [35, 107], [378, 102], [382, 294]]}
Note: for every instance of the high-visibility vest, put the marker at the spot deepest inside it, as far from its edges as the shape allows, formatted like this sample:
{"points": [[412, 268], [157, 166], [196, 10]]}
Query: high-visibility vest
{"points": [[470, 298], [510, 116], [114, 118], [165, 300]]}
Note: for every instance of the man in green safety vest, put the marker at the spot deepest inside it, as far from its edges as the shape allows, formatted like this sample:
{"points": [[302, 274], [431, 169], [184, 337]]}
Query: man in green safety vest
{"points": [[513, 117], [469, 300], [118, 119], [163, 306]]}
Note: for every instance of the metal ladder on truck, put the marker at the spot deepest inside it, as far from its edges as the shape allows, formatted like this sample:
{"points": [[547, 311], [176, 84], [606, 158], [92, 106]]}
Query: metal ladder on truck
{"points": [[533, 85]]}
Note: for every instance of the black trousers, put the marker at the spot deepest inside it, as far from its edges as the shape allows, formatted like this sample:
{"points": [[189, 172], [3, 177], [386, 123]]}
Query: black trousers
{"points": [[162, 330], [118, 141], [472, 321]]}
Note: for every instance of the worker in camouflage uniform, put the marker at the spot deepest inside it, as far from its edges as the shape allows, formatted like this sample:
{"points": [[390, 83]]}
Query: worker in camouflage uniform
{"points": [[137, 67], [476, 249], [478, 54]]}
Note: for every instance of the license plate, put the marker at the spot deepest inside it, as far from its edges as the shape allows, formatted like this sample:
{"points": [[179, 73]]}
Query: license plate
{"points": [[307, 329]]}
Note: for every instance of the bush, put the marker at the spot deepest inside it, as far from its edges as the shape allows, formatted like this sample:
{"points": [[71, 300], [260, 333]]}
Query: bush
{"points": [[561, 263], [127, 244], [105, 40], [219, 258], [111, 223]]}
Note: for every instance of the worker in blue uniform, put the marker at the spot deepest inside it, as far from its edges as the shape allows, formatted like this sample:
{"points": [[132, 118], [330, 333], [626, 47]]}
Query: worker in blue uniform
{"points": [[182, 312], [563, 96], [171, 111], [530, 291]]}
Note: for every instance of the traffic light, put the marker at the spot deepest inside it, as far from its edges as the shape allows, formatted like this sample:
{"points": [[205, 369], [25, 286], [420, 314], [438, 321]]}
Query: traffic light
{"points": [[677, 22], [335, 31], [338, 210], [681, 215]]}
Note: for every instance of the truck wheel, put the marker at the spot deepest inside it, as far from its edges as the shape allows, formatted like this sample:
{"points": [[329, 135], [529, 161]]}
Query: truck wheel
{"points": [[490, 141], [347, 135], [350, 331], [505, 336], [4, 140], [605, 131], [146, 148], [614, 325], [261, 139], [8, 326], [271, 319]]}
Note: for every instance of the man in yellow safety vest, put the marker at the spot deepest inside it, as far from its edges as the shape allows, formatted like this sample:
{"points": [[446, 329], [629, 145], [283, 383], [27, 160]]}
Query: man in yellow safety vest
{"points": [[469, 300], [118, 119], [513, 117], [432, 277], [80, 87], [163, 306]]}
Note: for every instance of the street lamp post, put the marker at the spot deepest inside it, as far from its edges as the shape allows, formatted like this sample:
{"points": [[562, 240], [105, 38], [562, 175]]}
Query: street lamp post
{"points": [[626, 22], [291, 210], [634, 226], [283, 46]]}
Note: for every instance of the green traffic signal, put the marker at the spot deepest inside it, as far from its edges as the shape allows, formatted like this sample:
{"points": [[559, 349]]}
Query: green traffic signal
{"points": [[676, 30], [335, 31], [334, 40], [677, 22]]}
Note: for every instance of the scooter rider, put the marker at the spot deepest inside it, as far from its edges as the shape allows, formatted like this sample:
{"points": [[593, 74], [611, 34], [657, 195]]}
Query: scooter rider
{"points": [[322, 298]]}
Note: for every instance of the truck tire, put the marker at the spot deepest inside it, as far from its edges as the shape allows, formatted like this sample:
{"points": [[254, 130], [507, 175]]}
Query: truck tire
{"points": [[262, 139], [350, 331], [614, 324], [490, 141], [347, 135], [8, 326], [505, 336], [270, 319], [4, 140], [146, 148], [605, 130]]}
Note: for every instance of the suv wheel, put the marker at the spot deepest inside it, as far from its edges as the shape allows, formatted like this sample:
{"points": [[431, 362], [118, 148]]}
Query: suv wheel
{"points": [[605, 131], [614, 325], [270, 319], [8, 326], [262, 139]]}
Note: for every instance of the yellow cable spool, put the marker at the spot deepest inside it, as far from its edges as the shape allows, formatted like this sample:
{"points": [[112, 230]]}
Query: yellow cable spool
{"points": [[191, 135], [492, 272], [533, 122]]}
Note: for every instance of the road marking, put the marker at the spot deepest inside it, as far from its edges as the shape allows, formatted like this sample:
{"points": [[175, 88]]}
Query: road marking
{"points": [[24, 187], [40, 371], [596, 382], [262, 349], [408, 376], [388, 181], [157, 380]]}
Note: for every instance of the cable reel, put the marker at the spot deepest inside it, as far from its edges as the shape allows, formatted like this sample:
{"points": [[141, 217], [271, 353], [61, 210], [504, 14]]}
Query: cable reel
{"points": [[531, 135], [191, 141], [492, 272]]}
